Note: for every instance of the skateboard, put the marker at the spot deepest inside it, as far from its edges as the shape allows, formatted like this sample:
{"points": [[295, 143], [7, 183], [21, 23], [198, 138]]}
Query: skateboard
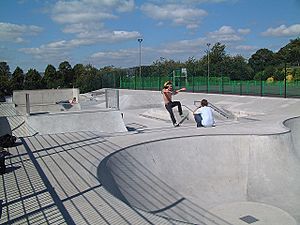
{"points": [[185, 116]]}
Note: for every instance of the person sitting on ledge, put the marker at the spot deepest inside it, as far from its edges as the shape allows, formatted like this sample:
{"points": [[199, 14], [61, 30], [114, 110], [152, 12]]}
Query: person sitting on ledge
{"points": [[71, 101]]}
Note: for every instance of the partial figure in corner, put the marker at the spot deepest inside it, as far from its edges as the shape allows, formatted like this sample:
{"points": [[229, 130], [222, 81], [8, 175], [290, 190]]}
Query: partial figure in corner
{"points": [[167, 93], [71, 101], [203, 115]]}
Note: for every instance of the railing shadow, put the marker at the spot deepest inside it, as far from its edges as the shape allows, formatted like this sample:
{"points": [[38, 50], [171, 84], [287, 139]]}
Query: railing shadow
{"points": [[54, 176]]}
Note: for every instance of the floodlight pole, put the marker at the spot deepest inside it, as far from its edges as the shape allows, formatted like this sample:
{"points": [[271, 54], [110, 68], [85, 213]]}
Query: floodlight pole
{"points": [[140, 56]]}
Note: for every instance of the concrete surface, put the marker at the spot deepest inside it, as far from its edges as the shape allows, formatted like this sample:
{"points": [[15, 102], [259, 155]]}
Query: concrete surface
{"points": [[44, 100], [13, 123], [246, 167], [109, 121], [184, 176]]}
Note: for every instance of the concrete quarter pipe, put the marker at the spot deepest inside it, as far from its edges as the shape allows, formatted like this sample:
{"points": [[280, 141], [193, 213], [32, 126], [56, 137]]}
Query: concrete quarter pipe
{"points": [[221, 179]]}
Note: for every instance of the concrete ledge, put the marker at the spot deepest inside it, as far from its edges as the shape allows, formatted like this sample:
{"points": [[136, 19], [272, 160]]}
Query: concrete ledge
{"points": [[44, 100], [37, 108], [45, 96], [294, 125], [107, 121]]}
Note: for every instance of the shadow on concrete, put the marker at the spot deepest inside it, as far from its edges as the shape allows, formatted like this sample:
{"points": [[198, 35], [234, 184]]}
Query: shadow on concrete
{"points": [[11, 169], [129, 180], [5, 127], [63, 161]]}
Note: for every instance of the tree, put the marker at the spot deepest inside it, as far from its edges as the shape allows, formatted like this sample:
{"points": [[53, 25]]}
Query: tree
{"points": [[51, 78], [66, 73], [261, 75], [79, 72], [290, 53], [279, 74], [190, 66], [32, 80], [4, 79], [89, 79], [296, 73], [261, 59], [106, 75], [236, 68], [217, 53], [17, 80]]}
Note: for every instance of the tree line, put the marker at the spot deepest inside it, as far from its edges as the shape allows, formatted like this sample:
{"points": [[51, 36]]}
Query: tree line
{"points": [[262, 65]]}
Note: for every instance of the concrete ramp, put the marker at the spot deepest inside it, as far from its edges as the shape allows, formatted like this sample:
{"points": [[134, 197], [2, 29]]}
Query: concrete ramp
{"points": [[107, 121], [220, 179], [13, 123], [294, 125]]}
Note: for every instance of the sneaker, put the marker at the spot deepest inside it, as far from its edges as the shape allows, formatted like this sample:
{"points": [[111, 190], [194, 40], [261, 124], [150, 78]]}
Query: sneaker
{"points": [[176, 125]]}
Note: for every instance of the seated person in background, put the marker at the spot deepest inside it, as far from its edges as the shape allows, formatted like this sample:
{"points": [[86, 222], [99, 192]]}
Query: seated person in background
{"points": [[203, 115], [71, 101]]}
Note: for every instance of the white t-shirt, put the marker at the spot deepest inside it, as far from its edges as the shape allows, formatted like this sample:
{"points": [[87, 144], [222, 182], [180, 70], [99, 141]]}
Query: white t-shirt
{"points": [[207, 116]]}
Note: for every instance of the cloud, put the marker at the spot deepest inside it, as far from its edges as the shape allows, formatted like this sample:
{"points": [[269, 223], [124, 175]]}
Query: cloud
{"points": [[226, 34], [179, 14], [120, 58], [244, 31], [64, 47], [86, 11], [120, 54], [109, 36], [86, 19], [82, 28], [193, 46], [50, 50], [16, 33], [197, 1], [246, 47], [283, 31], [179, 50]]}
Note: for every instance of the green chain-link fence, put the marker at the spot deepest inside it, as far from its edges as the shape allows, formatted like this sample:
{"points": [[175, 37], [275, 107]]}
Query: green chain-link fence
{"points": [[216, 85]]}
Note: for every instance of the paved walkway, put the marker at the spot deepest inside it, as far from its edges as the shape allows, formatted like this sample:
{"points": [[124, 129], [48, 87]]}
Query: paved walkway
{"points": [[52, 179]]}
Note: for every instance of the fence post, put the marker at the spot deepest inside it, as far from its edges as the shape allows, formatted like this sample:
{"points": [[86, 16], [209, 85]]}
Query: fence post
{"points": [[27, 104], [284, 80], [241, 87], [121, 84], [159, 81], [193, 85], [207, 84], [222, 83], [261, 85]]}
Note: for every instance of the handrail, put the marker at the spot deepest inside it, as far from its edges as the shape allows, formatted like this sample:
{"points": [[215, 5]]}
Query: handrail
{"points": [[215, 108], [188, 108], [221, 112]]}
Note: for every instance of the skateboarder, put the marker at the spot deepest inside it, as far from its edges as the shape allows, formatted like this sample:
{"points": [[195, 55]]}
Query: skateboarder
{"points": [[167, 93]]}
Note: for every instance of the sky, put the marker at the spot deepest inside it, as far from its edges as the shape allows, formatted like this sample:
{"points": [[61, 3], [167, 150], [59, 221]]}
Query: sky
{"points": [[36, 33]]}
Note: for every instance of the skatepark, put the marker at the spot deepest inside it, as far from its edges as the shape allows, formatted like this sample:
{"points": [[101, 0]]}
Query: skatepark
{"points": [[127, 164]]}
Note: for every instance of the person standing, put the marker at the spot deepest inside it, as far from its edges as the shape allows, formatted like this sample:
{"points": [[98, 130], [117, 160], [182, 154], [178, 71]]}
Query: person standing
{"points": [[204, 115], [167, 93]]}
